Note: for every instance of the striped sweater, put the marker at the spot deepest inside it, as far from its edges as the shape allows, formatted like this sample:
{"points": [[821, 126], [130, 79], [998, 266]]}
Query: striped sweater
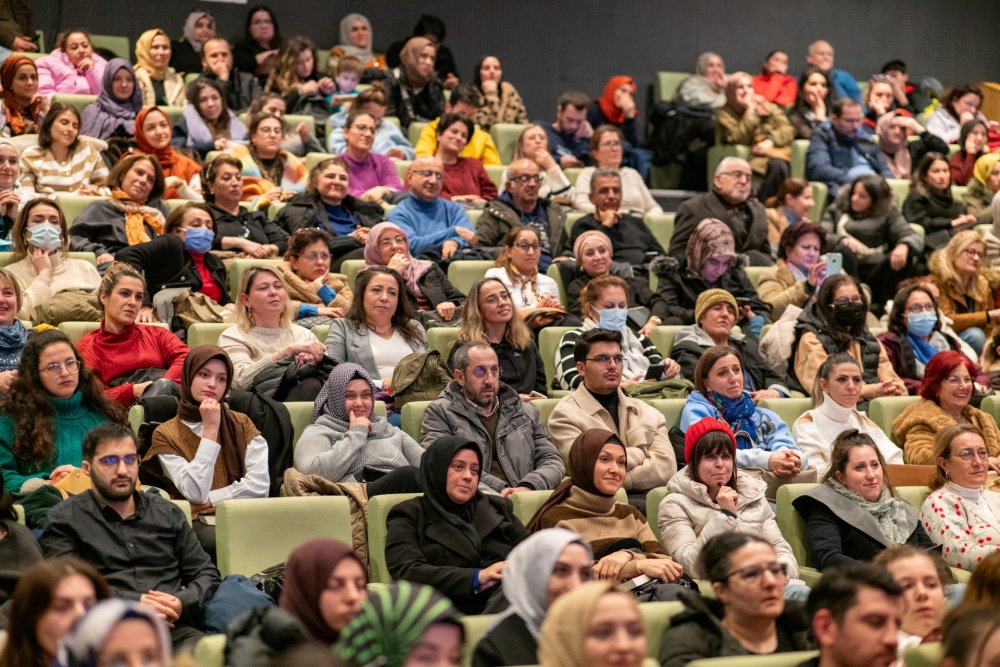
{"points": [[638, 350], [43, 174]]}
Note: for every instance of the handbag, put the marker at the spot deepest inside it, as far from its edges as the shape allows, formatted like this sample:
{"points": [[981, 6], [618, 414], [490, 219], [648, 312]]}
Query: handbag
{"points": [[420, 376]]}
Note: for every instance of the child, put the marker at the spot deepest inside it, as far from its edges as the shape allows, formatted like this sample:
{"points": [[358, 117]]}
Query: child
{"points": [[348, 74]]}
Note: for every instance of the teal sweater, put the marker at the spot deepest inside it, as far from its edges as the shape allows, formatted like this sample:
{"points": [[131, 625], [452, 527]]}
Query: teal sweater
{"points": [[73, 420]]}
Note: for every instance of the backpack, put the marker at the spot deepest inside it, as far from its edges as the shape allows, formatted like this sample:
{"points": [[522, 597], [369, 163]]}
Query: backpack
{"points": [[679, 128], [420, 376]]}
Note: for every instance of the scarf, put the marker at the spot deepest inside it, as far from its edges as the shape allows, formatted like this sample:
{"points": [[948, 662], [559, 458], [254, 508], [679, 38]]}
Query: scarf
{"points": [[390, 623], [606, 101], [165, 155], [408, 59], [888, 511], [306, 573], [363, 54], [562, 636], [20, 120], [526, 577], [142, 47], [738, 414], [81, 647], [331, 400], [135, 217], [13, 336], [922, 349], [373, 256], [111, 111], [293, 174], [188, 30], [591, 235], [433, 477], [711, 238], [983, 168], [897, 154]]}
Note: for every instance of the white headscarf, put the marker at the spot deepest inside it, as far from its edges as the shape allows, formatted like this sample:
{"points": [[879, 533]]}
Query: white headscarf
{"points": [[83, 644], [362, 54], [188, 31]]}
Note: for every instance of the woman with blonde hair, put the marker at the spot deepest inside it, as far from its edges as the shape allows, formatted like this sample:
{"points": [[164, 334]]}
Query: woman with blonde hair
{"points": [[983, 589], [295, 75], [159, 83], [966, 287], [533, 144], [517, 269]]}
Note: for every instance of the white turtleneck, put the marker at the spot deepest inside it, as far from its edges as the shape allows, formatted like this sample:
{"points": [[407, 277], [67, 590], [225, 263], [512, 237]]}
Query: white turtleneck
{"points": [[975, 498]]}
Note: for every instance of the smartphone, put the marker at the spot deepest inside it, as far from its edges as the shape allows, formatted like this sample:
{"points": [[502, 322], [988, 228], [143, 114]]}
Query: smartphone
{"points": [[654, 372], [743, 301], [535, 394], [834, 263]]}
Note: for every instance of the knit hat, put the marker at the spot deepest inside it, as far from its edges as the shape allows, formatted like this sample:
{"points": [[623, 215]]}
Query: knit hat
{"points": [[709, 298], [700, 428]]}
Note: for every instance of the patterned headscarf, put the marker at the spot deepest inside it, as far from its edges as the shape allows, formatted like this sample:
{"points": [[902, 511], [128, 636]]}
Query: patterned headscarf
{"points": [[373, 255], [331, 399], [17, 116], [711, 238]]}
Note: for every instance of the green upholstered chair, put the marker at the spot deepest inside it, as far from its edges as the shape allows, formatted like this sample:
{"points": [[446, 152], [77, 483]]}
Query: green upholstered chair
{"points": [[900, 188], [653, 499], [754, 273], [670, 408], [19, 511], [78, 102], [789, 409], [527, 503], [351, 268], [377, 514], [73, 205], [185, 508], [505, 136], [291, 120], [495, 172], [414, 130], [915, 495], [475, 627], [820, 195], [402, 166], [553, 272], [175, 113], [925, 655], [118, 45], [474, 216], [77, 330], [571, 219], [465, 273], [442, 339], [572, 174], [210, 651], [792, 525], [798, 162], [321, 331], [667, 83], [32, 55], [548, 343], [776, 660], [545, 407], [662, 226], [656, 617], [719, 152], [663, 338], [313, 159], [256, 533], [300, 413], [241, 266], [206, 333], [884, 410], [412, 416]]}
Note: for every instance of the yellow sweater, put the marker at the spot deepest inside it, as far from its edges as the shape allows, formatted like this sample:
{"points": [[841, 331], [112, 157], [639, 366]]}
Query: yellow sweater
{"points": [[480, 146]]}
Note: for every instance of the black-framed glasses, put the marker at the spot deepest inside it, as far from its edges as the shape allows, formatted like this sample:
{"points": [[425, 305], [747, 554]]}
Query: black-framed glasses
{"points": [[752, 574], [857, 301], [525, 246]]}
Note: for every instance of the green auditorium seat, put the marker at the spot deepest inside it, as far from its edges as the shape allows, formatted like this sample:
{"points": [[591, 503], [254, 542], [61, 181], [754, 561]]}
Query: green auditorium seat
{"points": [[884, 410], [505, 136], [206, 333], [465, 273], [377, 514]]}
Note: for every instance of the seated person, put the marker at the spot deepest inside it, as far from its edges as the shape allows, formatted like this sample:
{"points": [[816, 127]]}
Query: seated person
{"points": [[414, 92], [465, 552], [185, 53], [864, 220], [533, 144], [489, 318], [180, 258], [181, 174], [748, 119], [569, 135], [730, 201], [153, 352], [792, 203], [237, 228], [42, 264], [207, 453], [922, 575], [606, 147], [837, 322], [762, 438], [112, 114], [176, 577], [501, 103], [347, 443], [854, 513], [465, 180], [841, 149], [931, 204], [159, 83], [437, 228], [10, 198], [708, 497], [877, 99], [389, 139], [378, 329], [710, 262], [945, 393], [315, 293], [519, 269], [207, 124], [373, 177], [44, 166], [835, 399], [707, 86], [270, 174], [970, 531], [356, 41], [616, 107], [539, 570], [820, 56], [623, 543], [13, 333], [264, 335], [983, 187], [960, 105], [522, 204], [749, 614], [134, 213], [521, 456], [257, 50], [799, 270], [904, 142], [464, 102], [52, 402], [599, 402], [967, 297], [813, 103], [22, 107], [295, 76], [715, 316], [971, 146], [239, 89], [73, 68], [605, 307], [428, 290], [774, 83]]}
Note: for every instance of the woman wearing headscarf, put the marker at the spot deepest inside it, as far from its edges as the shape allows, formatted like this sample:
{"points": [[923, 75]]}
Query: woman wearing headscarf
{"points": [[117, 632], [616, 107], [414, 92], [22, 107], [545, 566], [112, 114], [207, 453], [901, 153], [356, 39], [707, 86], [181, 174], [983, 187], [453, 537], [199, 27], [159, 83], [396, 622]]}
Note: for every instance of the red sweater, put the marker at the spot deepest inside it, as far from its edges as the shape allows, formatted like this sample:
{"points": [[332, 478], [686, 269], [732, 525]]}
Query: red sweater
{"points": [[467, 177], [781, 89], [138, 346]]}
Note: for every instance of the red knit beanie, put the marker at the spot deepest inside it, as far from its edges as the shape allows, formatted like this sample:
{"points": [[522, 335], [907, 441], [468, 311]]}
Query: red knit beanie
{"points": [[700, 428]]}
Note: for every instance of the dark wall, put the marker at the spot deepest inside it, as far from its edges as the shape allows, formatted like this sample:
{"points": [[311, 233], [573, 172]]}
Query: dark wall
{"points": [[547, 47]]}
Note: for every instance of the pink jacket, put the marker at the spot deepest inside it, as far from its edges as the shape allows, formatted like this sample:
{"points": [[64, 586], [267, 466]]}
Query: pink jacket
{"points": [[56, 74]]}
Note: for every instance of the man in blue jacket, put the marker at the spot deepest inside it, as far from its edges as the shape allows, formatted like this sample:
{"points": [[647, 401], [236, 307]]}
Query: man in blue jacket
{"points": [[841, 149], [820, 56]]}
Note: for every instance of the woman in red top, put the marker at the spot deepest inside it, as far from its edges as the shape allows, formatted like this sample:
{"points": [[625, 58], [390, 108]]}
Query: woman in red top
{"points": [[465, 179], [120, 350], [774, 83], [181, 174]]}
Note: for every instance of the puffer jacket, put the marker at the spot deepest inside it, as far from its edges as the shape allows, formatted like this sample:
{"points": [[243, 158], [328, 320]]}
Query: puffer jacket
{"points": [[256, 637], [830, 155], [499, 218], [305, 211]]}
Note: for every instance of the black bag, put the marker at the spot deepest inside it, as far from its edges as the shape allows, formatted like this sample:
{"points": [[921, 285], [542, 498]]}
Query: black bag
{"points": [[270, 581], [317, 107], [275, 425], [156, 410], [678, 129]]}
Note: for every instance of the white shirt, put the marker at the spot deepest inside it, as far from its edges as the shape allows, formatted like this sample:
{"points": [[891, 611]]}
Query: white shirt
{"points": [[522, 294], [388, 352]]}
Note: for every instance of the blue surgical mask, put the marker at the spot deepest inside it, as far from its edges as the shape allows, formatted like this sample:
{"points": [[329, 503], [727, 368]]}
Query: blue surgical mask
{"points": [[921, 324], [199, 239], [613, 318], [46, 236]]}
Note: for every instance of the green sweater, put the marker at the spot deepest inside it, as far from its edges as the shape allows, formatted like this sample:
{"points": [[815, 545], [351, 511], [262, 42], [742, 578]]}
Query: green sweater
{"points": [[73, 420]]}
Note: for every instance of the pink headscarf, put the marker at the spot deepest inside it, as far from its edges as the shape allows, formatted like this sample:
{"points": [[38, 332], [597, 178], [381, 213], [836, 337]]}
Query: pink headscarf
{"points": [[591, 235], [373, 256]]}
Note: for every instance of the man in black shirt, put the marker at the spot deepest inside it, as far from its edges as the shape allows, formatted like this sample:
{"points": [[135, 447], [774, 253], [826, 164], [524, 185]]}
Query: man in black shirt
{"points": [[141, 543], [239, 88]]}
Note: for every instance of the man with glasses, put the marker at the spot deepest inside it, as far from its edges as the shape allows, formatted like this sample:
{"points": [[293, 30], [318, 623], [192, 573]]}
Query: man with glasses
{"points": [[238, 88], [520, 204], [140, 542], [600, 403], [517, 453], [842, 148], [731, 201]]}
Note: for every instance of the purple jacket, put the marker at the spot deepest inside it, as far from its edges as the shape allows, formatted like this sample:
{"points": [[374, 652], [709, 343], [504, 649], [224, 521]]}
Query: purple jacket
{"points": [[373, 171], [56, 74]]}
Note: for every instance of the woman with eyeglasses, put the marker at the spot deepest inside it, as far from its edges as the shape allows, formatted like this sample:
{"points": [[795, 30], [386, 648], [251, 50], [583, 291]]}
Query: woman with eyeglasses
{"points": [[373, 177], [961, 515], [316, 295], [855, 512], [748, 615], [606, 147], [967, 296], [53, 401], [946, 391], [270, 173], [465, 179]]}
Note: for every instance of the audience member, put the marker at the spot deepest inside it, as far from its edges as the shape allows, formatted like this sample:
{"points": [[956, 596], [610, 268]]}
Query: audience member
{"points": [[18, 546], [967, 297], [981, 589], [270, 174], [915, 98], [774, 83], [73, 68], [257, 51], [316, 294], [239, 88], [159, 83], [931, 204], [961, 105], [186, 52], [118, 631], [389, 139], [569, 136], [501, 102], [971, 145], [153, 136], [534, 295], [707, 86], [904, 142], [356, 39], [10, 199], [533, 144], [112, 115], [970, 636], [238, 228], [813, 104], [23, 106], [983, 187], [295, 76], [607, 150], [464, 102], [373, 177], [62, 161], [616, 107], [414, 92], [820, 56], [207, 123], [922, 575], [17, 29], [841, 149], [465, 179], [800, 268]]}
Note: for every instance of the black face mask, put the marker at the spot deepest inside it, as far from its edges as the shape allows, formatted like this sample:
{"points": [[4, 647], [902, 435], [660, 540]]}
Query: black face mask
{"points": [[850, 314]]}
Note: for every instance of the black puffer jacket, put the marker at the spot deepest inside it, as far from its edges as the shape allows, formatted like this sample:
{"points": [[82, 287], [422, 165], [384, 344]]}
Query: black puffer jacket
{"points": [[811, 321], [680, 288], [305, 211], [257, 636]]}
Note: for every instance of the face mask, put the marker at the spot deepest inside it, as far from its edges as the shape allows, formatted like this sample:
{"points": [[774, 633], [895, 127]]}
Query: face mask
{"points": [[199, 239], [612, 318], [849, 314], [921, 324], [46, 236]]}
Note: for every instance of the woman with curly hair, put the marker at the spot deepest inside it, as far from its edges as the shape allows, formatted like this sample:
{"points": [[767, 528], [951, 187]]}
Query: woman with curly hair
{"points": [[966, 287], [295, 75], [53, 402]]}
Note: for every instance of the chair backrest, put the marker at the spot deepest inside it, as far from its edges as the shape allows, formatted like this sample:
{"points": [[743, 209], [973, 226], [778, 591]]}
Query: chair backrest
{"points": [[313, 159], [548, 343], [464, 274], [666, 84], [798, 163], [402, 166], [545, 407], [442, 339], [553, 272], [505, 136], [351, 268], [77, 330], [571, 219], [300, 413], [754, 273], [412, 416], [914, 495], [495, 172], [653, 499], [925, 655], [775, 660], [991, 406], [670, 408], [206, 333], [527, 503], [241, 266], [789, 409], [662, 226], [414, 130], [377, 514], [720, 151], [900, 474], [73, 205], [185, 507], [475, 627], [8, 257], [885, 409], [173, 113], [78, 102], [900, 188], [120, 46], [790, 522], [256, 533], [210, 651], [321, 331], [820, 194], [663, 338], [656, 617]]}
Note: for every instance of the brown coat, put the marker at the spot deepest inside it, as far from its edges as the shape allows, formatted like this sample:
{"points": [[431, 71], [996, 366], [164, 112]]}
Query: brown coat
{"points": [[737, 128], [778, 287], [916, 426], [777, 222], [953, 301], [299, 291]]}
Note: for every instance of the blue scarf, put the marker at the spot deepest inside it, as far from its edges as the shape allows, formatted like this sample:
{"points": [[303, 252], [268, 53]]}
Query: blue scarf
{"points": [[922, 349], [12, 340], [738, 414]]}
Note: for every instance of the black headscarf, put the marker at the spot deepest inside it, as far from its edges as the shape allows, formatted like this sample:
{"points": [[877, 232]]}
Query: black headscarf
{"points": [[434, 477]]}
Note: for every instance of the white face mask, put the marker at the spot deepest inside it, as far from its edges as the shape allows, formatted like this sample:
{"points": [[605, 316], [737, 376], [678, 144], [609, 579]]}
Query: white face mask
{"points": [[46, 236]]}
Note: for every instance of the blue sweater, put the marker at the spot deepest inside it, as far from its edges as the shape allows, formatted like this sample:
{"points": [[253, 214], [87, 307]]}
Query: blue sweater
{"points": [[430, 224]]}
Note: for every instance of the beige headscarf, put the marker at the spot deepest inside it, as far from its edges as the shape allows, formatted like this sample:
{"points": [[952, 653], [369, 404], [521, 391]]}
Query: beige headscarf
{"points": [[409, 56], [564, 629], [142, 47], [711, 238]]}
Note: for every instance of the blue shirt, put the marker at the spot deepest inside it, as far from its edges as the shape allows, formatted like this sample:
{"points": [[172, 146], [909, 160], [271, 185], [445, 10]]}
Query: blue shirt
{"points": [[430, 224]]}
